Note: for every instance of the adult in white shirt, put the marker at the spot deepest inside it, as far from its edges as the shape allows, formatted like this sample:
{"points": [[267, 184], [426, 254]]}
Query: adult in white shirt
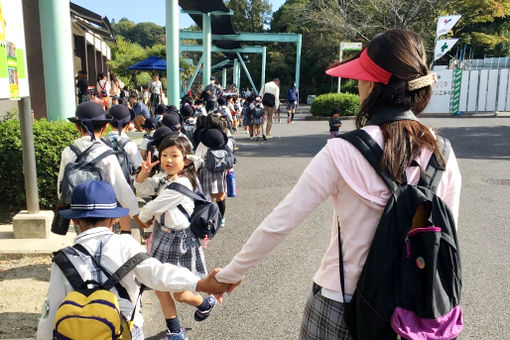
{"points": [[156, 92], [270, 94]]}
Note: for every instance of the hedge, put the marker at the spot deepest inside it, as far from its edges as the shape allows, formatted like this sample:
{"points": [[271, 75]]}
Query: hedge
{"points": [[50, 138], [348, 104]]}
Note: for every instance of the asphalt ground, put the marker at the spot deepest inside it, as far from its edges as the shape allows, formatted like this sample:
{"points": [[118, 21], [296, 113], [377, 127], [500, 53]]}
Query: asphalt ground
{"points": [[270, 301]]}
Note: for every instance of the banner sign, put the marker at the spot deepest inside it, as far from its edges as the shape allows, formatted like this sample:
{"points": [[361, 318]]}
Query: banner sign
{"points": [[446, 23], [350, 46], [13, 75], [443, 46]]}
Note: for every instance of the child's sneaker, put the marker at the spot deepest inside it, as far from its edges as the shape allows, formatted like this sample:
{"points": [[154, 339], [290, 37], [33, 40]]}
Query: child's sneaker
{"points": [[202, 315], [176, 336]]}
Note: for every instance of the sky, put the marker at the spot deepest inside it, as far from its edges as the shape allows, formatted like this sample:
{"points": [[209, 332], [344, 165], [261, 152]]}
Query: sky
{"points": [[152, 11]]}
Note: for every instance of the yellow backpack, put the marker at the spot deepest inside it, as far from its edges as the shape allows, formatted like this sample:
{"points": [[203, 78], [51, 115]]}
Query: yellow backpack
{"points": [[93, 313]]}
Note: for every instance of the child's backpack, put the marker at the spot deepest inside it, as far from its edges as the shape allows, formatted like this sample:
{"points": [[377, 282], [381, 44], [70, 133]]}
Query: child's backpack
{"points": [[125, 163], [205, 221], [81, 170], [189, 130], [93, 313], [219, 159], [258, 111], [411, 281]]}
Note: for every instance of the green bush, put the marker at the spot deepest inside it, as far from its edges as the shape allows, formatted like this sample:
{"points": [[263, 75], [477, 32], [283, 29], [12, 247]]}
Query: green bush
{"points": [[50, 138], [348, 104]]}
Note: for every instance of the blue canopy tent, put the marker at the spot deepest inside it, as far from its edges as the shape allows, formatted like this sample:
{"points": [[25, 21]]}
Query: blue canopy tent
{"points": [[151, 64]]}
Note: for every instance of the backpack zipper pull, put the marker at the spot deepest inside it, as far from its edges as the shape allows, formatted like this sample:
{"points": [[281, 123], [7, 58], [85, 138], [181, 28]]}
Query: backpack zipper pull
{"points": [[206, 242], [408, 247]]}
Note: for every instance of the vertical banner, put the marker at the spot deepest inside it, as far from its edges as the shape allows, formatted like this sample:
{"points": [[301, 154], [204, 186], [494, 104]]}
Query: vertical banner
{"points": [[13, 74], [12, 71], [457, 81]]}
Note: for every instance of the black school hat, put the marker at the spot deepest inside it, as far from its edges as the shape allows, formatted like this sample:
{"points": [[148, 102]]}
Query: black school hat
{"points": [[88, 113], [120, 115], [172, 121], [213, 138]]}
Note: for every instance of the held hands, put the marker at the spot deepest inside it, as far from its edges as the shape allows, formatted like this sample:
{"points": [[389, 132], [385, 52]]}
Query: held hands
{"points": [[211, 286]]}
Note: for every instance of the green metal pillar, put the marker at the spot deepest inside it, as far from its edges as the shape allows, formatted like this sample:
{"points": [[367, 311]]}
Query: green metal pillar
{"points": [[57, 49], [172, 52], [247, 72], [224, 77], [197, 69], [298, 58], [263, 73], [206, 42]]}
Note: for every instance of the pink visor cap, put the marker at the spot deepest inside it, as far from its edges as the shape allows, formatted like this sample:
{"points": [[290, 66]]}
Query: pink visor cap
{"points": [[362, 68]]}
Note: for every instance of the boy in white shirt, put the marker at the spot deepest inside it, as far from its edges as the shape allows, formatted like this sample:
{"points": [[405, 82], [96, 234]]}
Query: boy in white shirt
{"points": [[91, 122], [110, 252]]}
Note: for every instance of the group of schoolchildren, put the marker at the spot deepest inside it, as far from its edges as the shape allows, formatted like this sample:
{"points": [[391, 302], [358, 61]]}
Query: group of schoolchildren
{"points": [[99, 172]]}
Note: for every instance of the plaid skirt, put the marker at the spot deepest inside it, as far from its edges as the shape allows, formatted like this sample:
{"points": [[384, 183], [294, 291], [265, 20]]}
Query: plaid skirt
{"points": [[323, 319], [258, 120], [212, 182], [178, 247]]}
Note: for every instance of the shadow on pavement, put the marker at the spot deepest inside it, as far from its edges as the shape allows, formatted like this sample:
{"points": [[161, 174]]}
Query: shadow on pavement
{"points": [[293, 146], [17, 325], [40, 272], [481, 142]]}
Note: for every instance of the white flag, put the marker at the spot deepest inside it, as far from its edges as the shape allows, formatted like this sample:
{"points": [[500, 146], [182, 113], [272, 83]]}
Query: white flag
{"points": [[445, 24], [443, 46]]}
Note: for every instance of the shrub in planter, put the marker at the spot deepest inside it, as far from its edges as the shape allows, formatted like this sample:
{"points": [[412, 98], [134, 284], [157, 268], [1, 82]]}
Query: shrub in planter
{"points": [[348, 104], [50, 138]]}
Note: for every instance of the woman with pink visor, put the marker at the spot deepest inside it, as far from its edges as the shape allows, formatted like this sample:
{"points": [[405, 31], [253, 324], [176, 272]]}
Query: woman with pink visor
{"points": [[394, 86]]}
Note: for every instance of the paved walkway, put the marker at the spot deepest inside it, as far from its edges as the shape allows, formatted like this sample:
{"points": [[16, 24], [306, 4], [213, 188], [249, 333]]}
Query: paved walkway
{"points": [[269, 303]]}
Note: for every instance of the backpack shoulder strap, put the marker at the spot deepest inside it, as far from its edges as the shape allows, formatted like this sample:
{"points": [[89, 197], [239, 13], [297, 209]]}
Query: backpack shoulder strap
{"points": [[81, 154], [185, 191], [68, 269], [124, 270], [120, 289], [372, 152], [102, 156], [431, 177]]}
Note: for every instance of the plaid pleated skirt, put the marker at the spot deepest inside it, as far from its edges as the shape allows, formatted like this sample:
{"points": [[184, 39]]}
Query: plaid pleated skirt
{"points": [[323, 319], [212, 182], [178, 247]]}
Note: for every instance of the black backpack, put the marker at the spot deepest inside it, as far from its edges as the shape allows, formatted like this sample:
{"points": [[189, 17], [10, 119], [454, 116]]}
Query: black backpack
{"points": [[219, 159], [125, 163], [268, 99], [81, 170], [411, 281], [206, 217]]}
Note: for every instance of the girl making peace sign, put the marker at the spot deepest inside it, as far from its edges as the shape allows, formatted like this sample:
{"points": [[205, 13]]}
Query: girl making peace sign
{"points": [[173, 242]]}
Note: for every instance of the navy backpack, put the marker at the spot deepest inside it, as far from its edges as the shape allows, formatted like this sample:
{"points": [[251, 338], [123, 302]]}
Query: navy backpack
{"points": [[410, 284]]}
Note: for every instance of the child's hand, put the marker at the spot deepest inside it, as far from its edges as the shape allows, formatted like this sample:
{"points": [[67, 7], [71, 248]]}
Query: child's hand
{"points": [[210, 285], [140, 223], [146, 168]]}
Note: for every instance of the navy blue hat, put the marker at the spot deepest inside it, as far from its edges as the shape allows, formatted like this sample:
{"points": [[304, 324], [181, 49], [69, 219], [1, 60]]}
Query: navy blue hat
{"points": [[93, 199], [172, 120], [160, 109], [120, 115], [187, 110], [221, 101], [150, 123], [160, 134], [87, 113], [213, 138], [171, 108]]}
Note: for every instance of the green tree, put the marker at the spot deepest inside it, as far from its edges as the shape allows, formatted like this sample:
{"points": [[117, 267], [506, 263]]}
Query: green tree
{"points": [[250, 15]]}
